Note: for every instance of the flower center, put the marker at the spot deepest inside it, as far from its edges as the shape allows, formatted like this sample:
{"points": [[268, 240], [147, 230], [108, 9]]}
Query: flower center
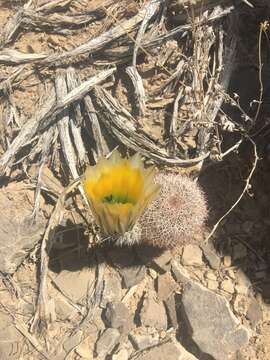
{"points": [[116, 199]]}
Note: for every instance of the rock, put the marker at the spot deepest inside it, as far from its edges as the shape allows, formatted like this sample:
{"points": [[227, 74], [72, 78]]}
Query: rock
{"points": [[227, 261], [228, 286], [112, 290], [165, 286], [239, 251], [107, 341], [132, 275], [254, 312], [211, 255], [210, 322], [243, 283], [240, 304], [192, 255], [144, 341], [171, 307], [122, 354], [63, 309], [153, 313], [210, 276], [212, 285], [72, 341], [180, 273], [169, 351], [75, 284], [152, 273], [163, 262], [19, 232], [86, 348], [241, 289], [11, 340], [118, 317]]}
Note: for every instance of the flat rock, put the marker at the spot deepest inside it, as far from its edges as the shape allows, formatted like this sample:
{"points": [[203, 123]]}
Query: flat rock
{"points": [[172, 306], [72, 341], [211, 255], [153, 313], [254, 312], [211, 323], [192, 255], [75, 284], [122, 354], [112, 290], [118, 317], [11, 341], [169, 351], [143, 341], [180, 274], [106, 342], [19, 233], [165, 286], [132, 275]]}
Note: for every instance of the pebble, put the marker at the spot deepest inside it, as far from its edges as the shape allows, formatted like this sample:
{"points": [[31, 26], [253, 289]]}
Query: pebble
{"points": [[117, 316], [228, 286], [132, 275], [167, 351], [153, 313], [106, 342], [171, 307], [112, 290], [211, 255], [212, 285], [180, 274], [122, 354], [144, 341], [254, 312], [210, 275], [192, 255], [165, 286], [227, 261]]}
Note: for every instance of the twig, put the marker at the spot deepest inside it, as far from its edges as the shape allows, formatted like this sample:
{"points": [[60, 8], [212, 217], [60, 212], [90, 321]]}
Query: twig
{"points": [[42, 314], [246, 187]]}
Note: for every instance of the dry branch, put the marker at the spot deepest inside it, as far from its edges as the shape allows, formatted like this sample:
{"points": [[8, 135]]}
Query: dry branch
{"points": [[46, 116]]}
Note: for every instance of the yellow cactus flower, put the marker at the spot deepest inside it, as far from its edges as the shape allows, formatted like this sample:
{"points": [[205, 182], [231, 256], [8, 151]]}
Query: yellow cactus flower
{"points": [[118, 191]]}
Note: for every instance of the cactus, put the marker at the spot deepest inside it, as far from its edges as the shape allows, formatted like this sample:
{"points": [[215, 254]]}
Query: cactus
{"points": [[176, 216]]}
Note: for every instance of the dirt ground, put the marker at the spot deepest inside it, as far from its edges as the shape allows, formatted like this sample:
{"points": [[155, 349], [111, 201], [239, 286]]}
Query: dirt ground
{"points": [[240, 243]]}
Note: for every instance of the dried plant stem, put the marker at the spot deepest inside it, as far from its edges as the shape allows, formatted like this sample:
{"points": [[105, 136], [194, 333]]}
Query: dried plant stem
{"points": [[246, 187]]}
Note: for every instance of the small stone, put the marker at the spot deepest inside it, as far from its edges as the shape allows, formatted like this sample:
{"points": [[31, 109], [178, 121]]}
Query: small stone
{"points": [[122, 354], [180, 273], [72, 341], [211, 256], [75, 284], [208, 316], [112, 290], [107, 341], [192, 255], [239, 251], [210, 275], [240, 304], [227, 261], [163, 262], [212, 285], [152, 273], [118, 317], [171, 308], [254, 312], [153, 313], [144, 341], [228, 286], [231, 274], [132, 275], [63, 309], [165, 286], [170, 351], [241, 289]]}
